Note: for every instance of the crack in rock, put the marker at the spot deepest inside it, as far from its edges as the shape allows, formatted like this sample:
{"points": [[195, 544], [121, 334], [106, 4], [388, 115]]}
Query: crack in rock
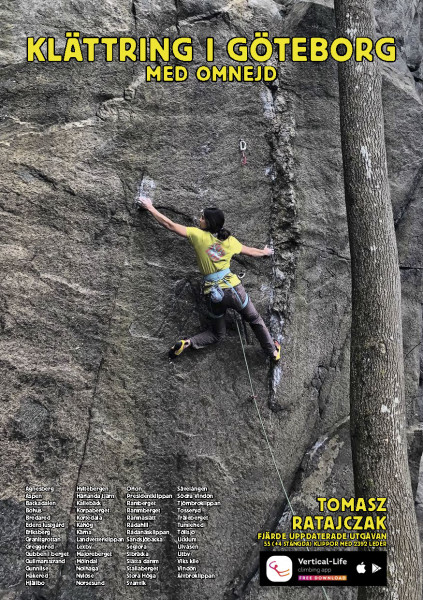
{"points": [[284, 222]]}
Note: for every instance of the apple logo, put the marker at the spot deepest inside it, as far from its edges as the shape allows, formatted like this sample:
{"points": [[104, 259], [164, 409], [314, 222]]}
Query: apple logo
{"points": [[361, 568]]}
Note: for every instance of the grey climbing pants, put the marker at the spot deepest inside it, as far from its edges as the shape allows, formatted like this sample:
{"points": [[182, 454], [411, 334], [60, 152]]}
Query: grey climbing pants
{"points": [[217, 330]]}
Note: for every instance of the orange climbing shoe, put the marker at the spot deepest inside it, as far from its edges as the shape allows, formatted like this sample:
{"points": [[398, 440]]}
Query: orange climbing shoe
{"points": [[178, 348], [278, 349]]}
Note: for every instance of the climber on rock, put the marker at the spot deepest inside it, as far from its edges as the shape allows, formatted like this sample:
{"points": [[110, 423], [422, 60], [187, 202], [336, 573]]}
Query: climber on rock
{"points": [[214, 248]]}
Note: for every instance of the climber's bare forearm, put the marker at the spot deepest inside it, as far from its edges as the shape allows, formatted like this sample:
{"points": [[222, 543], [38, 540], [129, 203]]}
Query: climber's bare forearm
{"points": [[166, 222], [257, 252]]}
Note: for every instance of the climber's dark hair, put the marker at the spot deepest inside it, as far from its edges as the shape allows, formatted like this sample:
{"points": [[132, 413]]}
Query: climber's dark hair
{"points": [[215, 220]]}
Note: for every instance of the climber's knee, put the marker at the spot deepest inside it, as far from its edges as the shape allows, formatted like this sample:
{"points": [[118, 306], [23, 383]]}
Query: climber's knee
{"points": [[252, 317], [219, 336]]}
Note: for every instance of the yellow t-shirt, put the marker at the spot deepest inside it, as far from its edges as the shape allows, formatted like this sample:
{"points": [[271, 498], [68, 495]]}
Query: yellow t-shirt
{"points": [[214, 254]]}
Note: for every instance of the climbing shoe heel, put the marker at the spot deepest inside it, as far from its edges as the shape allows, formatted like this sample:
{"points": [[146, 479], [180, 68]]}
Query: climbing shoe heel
{"points": [[178, 348], [278, 348]]}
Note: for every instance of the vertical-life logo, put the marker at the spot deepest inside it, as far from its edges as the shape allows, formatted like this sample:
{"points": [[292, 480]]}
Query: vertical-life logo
{"points": [[279, 568]]}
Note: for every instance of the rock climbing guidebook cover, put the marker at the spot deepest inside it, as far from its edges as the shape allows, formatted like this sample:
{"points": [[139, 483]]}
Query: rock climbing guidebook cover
{"points": [[224, 469]]}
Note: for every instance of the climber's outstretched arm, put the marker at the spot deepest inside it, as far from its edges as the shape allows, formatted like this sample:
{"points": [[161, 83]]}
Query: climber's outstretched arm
{"points": [[161, 218], [266, 251]]}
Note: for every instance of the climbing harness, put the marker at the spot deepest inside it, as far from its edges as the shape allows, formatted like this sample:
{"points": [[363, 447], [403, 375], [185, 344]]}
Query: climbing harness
{"points": [[216, 292], [243, 148], [254, 397]]}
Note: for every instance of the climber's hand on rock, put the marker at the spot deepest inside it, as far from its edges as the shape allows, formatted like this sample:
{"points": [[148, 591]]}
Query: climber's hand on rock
{"points": [[268, 251], [144, 202]]}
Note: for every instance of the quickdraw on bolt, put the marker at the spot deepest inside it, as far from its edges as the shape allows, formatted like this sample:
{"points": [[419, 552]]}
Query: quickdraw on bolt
{"points": [[243, 148]]}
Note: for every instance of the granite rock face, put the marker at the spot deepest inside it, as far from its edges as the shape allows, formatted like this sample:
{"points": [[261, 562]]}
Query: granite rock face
{"points": [[94, 292]]}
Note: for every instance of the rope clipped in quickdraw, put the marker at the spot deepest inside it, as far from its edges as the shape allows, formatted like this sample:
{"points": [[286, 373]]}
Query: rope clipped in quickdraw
{"points": [[254, 397], [243, 148]]}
